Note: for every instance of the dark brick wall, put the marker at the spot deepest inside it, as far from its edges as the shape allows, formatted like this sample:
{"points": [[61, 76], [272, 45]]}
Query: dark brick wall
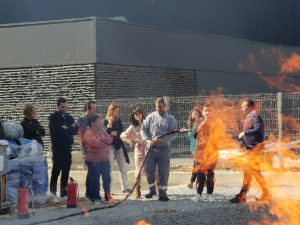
{"points": [[42, 86], [117, 81]]}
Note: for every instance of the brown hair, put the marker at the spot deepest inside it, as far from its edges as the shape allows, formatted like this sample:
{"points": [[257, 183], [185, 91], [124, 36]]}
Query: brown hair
{"points": [[27, 111], [190, 120], [110, 109]]}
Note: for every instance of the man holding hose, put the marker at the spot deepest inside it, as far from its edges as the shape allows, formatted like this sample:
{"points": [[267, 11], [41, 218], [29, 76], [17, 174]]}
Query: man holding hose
{"points": [[156, 124]]}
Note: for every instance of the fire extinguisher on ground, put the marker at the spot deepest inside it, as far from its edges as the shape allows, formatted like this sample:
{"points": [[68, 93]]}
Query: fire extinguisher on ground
{"points": [[23, 201], [72, 192]]}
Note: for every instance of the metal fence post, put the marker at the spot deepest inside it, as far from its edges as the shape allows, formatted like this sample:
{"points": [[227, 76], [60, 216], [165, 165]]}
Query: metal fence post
{"points": [[280, 129]]}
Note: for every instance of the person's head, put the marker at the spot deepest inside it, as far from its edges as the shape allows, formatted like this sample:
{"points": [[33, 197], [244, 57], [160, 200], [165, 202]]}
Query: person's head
{"points": [[195, 114], [90, 107], [160, 106], [136, 117], [29, 112], [113, 111], [62, 105], [248, 106], [95, 121], [206, 111]]}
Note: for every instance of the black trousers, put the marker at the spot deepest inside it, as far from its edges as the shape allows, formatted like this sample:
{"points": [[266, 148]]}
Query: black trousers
{"points": [[208, 179], [194, 175], [62, 160]]}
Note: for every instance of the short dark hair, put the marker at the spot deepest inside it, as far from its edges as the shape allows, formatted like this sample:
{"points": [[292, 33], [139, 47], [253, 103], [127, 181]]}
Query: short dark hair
{"points": [[160, 100], [88, 104], [61, 100], [92, 119], [135, 111], [250, 103]]}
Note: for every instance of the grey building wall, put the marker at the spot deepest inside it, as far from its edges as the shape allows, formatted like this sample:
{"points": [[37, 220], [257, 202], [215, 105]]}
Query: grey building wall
{"points": [[272, 21], [51, 43], [120, 81], [129, 44], [42, 86]]}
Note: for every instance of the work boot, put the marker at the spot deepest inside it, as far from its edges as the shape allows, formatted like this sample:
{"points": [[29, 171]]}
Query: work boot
{"points": [[151, 194], [239, 198], [164, 198], [138, 193]]}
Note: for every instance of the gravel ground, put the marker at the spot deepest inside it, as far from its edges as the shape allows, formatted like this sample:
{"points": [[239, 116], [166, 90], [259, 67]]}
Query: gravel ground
{"points": [[179, 210]]}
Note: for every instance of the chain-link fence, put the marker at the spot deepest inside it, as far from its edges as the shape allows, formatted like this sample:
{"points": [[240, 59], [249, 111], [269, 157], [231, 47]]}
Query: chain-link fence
{"points": [[270, 107]]}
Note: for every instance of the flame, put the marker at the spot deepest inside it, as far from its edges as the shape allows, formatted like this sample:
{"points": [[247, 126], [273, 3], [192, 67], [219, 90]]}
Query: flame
{"points": [[85, 212], [218, 134], [282, 80], [142, 222]]}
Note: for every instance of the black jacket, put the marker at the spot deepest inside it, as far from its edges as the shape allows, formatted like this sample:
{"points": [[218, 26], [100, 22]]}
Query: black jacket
{"points": [[116, 126], [62, 139], [33, 130], [253, 128]]}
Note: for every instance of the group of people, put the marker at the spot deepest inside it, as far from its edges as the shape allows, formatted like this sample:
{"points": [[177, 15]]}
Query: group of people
{"points": [[205, 138], [102, 141]]}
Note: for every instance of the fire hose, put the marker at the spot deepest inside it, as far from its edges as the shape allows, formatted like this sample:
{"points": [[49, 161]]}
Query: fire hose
{"points": [[115, 204]]}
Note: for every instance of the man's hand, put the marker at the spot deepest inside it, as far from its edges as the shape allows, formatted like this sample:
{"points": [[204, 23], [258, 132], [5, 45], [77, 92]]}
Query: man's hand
{"points": [[114, 133], [241, 135], [152, 143], [65, 127]]}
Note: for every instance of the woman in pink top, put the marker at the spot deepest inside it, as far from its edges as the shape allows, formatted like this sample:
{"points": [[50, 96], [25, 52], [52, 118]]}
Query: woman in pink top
{"points": [[132, 136], [96, 141]]}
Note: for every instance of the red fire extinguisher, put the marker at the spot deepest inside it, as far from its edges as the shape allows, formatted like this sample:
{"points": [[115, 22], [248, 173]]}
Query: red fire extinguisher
{"points": [[23, 196], [72, 190]]}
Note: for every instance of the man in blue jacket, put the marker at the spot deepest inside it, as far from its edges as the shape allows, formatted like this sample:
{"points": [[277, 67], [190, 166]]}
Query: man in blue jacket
{"points": [[62, 128], [252, 139]]}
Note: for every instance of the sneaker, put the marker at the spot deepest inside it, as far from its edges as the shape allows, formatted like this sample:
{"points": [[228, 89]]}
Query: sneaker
{"points": [[210, 198], [62, 199], [127, 191], [190, 185], [239, 198], [197, 198], [97, 202], [150, 194], [55, 198]]}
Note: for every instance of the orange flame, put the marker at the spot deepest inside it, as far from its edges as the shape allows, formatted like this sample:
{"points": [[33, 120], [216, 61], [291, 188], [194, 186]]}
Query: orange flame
{"points": [[85, 212], [142, 222], [282, 80], [217, 135]]}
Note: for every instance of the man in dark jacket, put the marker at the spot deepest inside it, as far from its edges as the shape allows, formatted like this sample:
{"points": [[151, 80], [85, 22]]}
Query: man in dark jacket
{"points": [[252, 139], [62, 128]]}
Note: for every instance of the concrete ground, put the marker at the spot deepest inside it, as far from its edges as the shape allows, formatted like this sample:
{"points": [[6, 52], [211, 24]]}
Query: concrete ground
{"points": [[180, 210]]}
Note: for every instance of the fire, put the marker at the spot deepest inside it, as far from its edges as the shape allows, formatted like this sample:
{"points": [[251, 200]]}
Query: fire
{"points": [[142, 222], [281, 210], [281, 80], [85, 212]]}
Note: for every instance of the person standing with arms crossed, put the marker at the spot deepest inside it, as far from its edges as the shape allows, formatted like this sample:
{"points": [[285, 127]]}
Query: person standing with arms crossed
{"points": [[114, 127], [62, 129], [252, 139], [156, 124]]}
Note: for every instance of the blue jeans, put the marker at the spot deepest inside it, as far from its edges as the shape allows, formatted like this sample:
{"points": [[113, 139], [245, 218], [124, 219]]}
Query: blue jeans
{"points": [[93, 176]]}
